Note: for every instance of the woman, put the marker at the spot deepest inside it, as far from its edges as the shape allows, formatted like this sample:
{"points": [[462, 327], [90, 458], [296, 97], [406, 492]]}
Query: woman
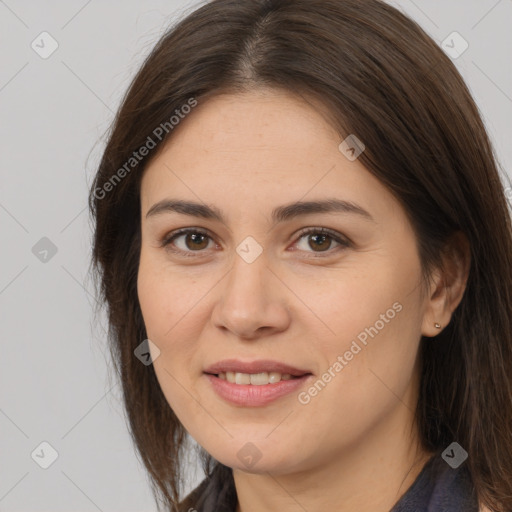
{"points": [[305, 249]]}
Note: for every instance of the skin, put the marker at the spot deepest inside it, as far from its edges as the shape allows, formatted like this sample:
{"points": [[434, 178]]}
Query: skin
{"points": [[354, 446]]}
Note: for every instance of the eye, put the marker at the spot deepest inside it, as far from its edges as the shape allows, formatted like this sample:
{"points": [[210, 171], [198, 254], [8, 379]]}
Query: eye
{"points": [[321, 239], [193, 240]]}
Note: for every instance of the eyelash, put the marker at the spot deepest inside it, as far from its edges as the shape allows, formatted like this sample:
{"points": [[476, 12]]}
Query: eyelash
{"points": [[168, 239]]}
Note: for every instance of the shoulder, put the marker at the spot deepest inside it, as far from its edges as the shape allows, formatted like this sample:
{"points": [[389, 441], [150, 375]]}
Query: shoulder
{"points": [[440, 487]]}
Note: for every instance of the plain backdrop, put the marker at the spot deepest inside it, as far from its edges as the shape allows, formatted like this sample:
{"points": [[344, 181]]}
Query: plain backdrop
{"points": [[55, 387]]}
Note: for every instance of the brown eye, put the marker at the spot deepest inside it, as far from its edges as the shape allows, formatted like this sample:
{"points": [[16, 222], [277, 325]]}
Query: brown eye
{"points": [[187, 241], [320, 240]]}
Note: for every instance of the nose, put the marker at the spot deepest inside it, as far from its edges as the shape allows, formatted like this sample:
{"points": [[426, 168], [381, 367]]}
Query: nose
{"points": [[252, 301]]}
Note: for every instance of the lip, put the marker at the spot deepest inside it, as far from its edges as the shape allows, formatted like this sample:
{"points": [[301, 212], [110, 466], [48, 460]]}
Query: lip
{"points": [[249, 395], [262, 365]]}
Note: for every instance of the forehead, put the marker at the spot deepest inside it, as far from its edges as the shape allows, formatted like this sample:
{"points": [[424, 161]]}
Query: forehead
{"points": [[257, 148], [270, 115]]}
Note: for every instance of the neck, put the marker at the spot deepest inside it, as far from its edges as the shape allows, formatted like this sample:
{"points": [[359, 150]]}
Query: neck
{"points": [[369, 476]]}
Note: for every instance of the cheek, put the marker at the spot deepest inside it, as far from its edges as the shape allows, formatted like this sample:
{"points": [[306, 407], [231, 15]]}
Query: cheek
{"points": [[169, 309], [354, 306], [168, 298], [370, 349], [168, 304], [174, 307]]}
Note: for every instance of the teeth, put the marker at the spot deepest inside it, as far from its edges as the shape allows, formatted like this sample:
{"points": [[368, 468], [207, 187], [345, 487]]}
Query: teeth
{"points": [[242, 378], [257, 379]]}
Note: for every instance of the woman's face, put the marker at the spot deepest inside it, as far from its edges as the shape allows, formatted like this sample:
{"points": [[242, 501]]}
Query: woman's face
{"points": [[262, 291]]}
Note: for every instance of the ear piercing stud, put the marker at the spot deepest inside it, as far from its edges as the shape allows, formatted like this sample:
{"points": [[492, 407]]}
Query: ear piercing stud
{"points": [[437, 326]]}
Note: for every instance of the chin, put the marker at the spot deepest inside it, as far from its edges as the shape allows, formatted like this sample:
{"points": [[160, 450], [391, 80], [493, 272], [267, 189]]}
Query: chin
{"points": [[256, 457]]}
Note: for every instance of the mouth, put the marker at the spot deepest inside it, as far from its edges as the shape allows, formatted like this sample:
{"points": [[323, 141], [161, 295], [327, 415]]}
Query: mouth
{"points": [[256, 379], [256, 383], [254, 372]]}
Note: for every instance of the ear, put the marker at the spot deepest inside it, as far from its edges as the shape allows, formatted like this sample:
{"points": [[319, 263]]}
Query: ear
{"points": [[447, 285]]}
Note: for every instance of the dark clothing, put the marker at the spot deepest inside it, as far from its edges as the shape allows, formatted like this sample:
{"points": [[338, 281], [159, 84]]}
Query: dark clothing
{"points": [[438, 488]]}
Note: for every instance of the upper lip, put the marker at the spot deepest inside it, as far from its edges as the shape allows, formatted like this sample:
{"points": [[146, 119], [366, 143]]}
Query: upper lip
{"points": [[260, 366]]}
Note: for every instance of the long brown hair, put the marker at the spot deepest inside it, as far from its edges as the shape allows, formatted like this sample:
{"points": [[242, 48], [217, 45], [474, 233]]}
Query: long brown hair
{"points": [[384, 79]]}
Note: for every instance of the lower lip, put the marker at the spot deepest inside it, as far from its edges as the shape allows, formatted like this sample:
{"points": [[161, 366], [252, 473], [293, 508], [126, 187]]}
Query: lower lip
{"points": [[250, 395]]}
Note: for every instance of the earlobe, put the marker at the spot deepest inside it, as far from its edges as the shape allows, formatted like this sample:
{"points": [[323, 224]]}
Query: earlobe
{"points": [[448, 285]]}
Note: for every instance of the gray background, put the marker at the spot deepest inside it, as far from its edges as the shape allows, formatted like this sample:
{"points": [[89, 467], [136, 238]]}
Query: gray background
{"points": [[54, 377]]}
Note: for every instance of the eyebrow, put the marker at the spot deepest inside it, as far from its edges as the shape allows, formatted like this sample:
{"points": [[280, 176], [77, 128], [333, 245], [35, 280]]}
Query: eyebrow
{"points": [[279, 214]]}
